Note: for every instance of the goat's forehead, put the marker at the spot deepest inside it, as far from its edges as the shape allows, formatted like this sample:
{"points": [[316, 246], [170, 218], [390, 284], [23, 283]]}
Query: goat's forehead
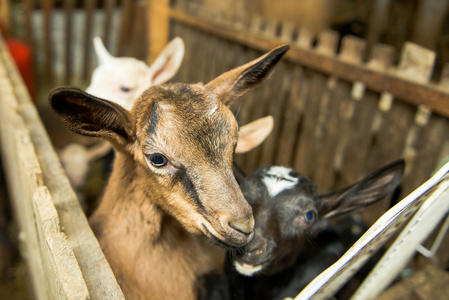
{"points": [[278, 179], [185, 114], [188, 100]]}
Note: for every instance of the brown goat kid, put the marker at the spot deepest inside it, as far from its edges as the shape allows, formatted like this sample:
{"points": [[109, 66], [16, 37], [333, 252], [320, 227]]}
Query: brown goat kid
{"points": [[172, 180]]}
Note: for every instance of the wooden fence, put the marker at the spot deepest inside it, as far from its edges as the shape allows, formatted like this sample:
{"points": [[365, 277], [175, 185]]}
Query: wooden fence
{"points": [[63, 257]]}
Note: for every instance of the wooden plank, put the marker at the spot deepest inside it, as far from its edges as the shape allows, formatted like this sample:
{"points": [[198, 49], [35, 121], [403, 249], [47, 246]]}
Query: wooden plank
{"points": [[95, 269], [293, 114], [47, 215], [280, 83], [18, 164], [158, 26], [411, 92], [387, 145], [89, 6], [139, 35], [357, 117], [125, 27], [333, 103], [48, 8], [377, 22], [28, 8], [427, 152], [68, 8], [304, 153], [108, 8], [34, 210], [69, 283], [429, 21]]}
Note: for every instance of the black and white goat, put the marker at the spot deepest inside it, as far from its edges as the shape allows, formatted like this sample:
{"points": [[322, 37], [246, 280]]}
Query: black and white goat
{"points": [[294, 238]]}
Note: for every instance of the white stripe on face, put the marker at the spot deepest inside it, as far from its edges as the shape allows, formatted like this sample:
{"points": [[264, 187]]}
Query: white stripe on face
{"points": [[278, 179]]}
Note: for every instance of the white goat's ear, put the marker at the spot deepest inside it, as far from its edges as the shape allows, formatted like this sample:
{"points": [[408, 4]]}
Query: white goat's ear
{"points": [[253, 134], [102, 54], [167, 63]]}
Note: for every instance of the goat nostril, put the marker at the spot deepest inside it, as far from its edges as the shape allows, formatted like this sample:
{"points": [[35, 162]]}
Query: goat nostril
{"points": [[243, 226]]}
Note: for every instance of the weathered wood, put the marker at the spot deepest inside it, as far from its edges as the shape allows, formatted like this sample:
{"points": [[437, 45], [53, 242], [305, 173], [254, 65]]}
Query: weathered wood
{"points": [[405, 90], [304, 152], [158, 26], [292, 115], [377, 22], [5, 16], [70, 283], [109, 10], [98, 276], [280, 83], [68, 8], [48, 8], [89, 6], [28, 7], [47, 217], [138, 32], [127, 7], [429, 21], [428, 283]]}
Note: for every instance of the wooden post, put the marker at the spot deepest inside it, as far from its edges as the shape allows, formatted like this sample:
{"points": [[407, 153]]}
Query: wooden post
{"points": [[429, 22], [158, 26], [5, 16]]}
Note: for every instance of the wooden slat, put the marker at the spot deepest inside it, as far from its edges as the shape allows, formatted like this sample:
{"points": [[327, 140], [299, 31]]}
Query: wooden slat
{"points": [[28, 8], [139, 34], [411, 92], [125, 26], [377, 22], [304, 152], [97, 274], [158, 26], [327, 130], [429, 21], [48, 8], [293, 113], [70, 283], [108, 7], [280, 83], [89, 6], [68, 9]]}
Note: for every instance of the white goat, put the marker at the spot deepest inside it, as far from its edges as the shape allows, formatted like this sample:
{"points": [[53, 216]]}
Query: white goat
{"points": [[122, 79]]}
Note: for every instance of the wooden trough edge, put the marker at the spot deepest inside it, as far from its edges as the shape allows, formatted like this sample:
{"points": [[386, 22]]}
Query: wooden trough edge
{"points": [[60, 249]]}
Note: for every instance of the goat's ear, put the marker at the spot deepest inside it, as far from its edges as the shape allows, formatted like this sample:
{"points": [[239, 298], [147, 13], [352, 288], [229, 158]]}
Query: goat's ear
{"points": [[236, 82], [92, 116], [365, 192], [253, 134], [102, 54], [167, 63]]}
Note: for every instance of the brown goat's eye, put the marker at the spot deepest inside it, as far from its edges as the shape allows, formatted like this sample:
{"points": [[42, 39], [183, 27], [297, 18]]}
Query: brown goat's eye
{"points": [[157, 160]]}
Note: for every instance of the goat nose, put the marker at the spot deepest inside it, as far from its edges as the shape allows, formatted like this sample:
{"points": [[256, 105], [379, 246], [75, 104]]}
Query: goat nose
{"points": [[244, 226]]}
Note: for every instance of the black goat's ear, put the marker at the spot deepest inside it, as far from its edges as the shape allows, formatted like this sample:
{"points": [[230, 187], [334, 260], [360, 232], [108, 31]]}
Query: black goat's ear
{"points": [[365, 192]]}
